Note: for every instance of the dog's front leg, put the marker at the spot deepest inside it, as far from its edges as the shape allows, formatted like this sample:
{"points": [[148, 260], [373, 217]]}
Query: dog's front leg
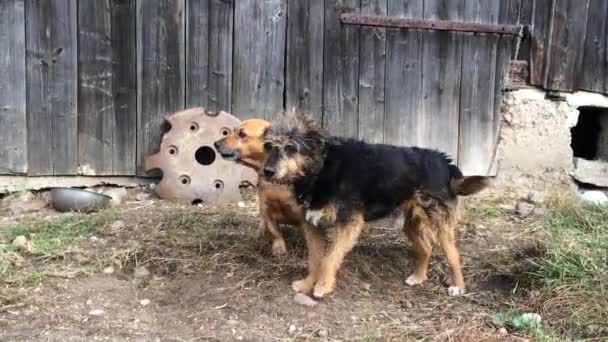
{"points": [[315, 243], [344, 238]]}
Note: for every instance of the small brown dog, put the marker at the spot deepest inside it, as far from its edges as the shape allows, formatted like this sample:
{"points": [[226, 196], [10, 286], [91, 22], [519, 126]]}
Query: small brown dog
{"points": [[277, 205]]}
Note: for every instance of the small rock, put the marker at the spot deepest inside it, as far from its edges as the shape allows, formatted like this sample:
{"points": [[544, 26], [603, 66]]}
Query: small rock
{"points": [[292, 329], [116, 225], [503, 331], [89, 302], [305, 300], [21, 242], [523, 209], [141, 272], [96, 312], [142, 196], [240, 204], [353, 318], [322, 333], [27, 206], [117, 195], [144, 302], [535, 197], [108, 270], [94, 238], [232, 322]]}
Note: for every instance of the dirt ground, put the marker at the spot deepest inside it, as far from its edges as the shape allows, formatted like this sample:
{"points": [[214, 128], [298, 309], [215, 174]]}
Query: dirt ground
{"points": [[212, 279]]}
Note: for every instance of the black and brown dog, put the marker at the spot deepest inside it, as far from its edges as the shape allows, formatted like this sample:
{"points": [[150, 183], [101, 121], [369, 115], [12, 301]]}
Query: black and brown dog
{"points": [[343, 183]]}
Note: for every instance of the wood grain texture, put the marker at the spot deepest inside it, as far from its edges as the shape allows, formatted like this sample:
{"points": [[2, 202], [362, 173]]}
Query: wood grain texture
{"points": [[209, 28], [160, 70], [13, 133], [593, 74], [125, 87], [51, 67], [477, 95], [372, 66], [441, 69], [107, 92], [259, 50], [304, 68], [564, 60], [509, 13], [539, 40], [403, 89], [341, 70], [525, 17]]}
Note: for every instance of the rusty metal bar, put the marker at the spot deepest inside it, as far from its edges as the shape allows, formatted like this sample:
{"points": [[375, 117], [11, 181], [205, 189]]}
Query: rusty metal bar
{"points": [[437, 25]]}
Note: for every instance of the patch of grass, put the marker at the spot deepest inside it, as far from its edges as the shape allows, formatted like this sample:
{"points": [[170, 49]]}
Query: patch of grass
{"points": [[574, 269], [53, 235], [49, 239], [527, 324]]}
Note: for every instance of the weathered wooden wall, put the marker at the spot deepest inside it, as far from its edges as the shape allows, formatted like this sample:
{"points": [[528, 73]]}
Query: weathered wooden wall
{"points": [[100, 75], [568, 45]]}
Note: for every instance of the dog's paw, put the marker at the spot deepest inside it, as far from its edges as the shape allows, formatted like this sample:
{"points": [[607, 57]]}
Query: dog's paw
{"points": [[323, 288], [415, 280], [303, 285], [454, 291], [278, 247], [314, 217]]}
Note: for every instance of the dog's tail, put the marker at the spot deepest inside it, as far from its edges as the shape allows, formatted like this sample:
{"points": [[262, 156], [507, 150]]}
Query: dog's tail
{"points": [[465, 186]]}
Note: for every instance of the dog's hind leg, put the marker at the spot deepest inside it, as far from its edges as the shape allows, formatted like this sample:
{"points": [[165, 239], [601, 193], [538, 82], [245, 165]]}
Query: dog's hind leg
{"points": [[343, 239], [315, 243], [447, 242], [416, 227], [423, 250]]}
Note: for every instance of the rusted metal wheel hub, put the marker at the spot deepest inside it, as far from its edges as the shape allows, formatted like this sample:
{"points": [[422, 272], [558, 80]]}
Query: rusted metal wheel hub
{"points": [[192, 168]]}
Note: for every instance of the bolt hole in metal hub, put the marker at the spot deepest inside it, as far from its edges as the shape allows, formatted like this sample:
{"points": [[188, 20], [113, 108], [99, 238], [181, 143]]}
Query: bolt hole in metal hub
{"points": [[205, 155]]}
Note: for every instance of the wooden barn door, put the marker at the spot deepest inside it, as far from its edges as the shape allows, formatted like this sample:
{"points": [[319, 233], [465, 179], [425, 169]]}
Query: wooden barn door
{"points": [[437, 89], [443, 89]]}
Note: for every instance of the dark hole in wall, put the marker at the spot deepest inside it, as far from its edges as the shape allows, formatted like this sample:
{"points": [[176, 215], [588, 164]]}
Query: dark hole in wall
{"points": [[587, 133]]}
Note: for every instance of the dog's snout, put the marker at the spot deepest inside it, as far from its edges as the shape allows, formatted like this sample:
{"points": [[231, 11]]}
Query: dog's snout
{"points": [[269, 172]]}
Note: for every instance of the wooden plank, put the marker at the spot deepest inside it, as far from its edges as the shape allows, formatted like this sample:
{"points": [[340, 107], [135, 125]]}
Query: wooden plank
{"points": [[564, 60], [340, 70], [526, 14], [259, 55], [509, 13], [13, 133], [539, 40], [124, 46], [441, 67], [372, 65], [107, 92], [197, 53], [477, 92], [304, 69], [160, 70], [594, 55], [403, 89], [51, 67], [209, 26]]}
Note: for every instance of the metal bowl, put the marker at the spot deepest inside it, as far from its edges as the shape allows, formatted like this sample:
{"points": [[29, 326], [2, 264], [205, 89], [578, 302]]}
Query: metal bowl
{"points": [[70, 199]]}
